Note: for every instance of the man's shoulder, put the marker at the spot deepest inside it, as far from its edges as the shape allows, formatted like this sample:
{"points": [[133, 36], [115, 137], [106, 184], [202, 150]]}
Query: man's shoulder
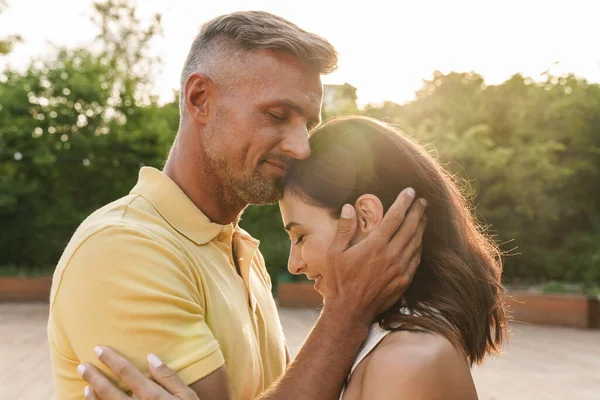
{"points": [[126, 228], [118, 240], [111, 214], [128, 217]]}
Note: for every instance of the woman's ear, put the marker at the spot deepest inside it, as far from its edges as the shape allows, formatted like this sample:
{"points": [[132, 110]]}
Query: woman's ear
{"points": [[369, 213]]}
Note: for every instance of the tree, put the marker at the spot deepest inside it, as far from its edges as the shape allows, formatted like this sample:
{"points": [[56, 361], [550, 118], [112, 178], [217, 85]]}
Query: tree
{"points": [[7, 43], [339, 99], [75, 130], [528, 154]]}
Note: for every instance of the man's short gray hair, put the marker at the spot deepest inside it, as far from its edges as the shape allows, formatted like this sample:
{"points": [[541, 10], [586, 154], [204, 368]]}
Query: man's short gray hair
{"points": [[248, 31]]}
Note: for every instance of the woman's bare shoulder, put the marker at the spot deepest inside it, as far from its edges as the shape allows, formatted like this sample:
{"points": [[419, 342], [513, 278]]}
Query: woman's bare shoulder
{"points": [[416, 365]]}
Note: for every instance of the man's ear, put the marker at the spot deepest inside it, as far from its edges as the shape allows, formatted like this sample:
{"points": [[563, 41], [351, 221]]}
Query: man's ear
{"points": [[199, 92], [369, 213]]}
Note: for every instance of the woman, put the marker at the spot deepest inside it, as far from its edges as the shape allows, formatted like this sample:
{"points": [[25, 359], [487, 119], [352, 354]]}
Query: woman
{"points": [[452, 314]]}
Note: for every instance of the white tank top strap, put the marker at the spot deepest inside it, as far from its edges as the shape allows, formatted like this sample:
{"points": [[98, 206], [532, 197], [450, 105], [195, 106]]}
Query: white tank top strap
{"points": [[375, 336]]}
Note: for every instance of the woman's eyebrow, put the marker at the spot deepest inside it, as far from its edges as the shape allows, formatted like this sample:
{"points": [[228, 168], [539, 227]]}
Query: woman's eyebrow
{"points": [[290, 225]]}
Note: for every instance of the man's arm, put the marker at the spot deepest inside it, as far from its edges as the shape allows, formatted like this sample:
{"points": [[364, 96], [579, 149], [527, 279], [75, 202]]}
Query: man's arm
{"points": [[214, 386], [319, 369]]}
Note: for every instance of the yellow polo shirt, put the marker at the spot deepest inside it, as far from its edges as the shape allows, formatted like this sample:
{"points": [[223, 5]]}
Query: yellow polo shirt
{"points": [[150, 273]]}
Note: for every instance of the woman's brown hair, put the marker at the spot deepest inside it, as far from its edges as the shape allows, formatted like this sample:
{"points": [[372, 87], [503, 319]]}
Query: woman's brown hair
{"points": [[457, 289]]}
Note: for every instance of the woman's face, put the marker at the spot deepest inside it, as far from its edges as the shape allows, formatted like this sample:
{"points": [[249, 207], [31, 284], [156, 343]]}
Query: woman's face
{"points": [[312, 230]]}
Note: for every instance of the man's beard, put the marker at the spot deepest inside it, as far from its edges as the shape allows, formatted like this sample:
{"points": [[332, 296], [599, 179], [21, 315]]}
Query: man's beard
{"points": [[252, 188], [256, 188], [236, 185]]}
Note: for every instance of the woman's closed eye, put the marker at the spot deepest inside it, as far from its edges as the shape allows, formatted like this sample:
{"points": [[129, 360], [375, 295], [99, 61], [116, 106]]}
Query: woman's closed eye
{"points": [[300, 239]]}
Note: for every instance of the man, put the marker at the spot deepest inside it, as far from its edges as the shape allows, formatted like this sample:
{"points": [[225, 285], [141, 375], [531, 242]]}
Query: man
{"points": [[167, 268]]}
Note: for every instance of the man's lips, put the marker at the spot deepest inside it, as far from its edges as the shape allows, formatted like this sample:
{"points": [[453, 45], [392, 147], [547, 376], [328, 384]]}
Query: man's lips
{"points": [[277, 164]]}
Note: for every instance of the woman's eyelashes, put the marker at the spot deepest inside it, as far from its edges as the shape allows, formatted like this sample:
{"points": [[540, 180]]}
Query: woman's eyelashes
{"points": [[299, 240], [299, 236]]}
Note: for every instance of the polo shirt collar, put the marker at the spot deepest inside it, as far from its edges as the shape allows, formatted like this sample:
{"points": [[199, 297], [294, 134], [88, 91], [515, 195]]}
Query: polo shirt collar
{"points": [[174, 206]]}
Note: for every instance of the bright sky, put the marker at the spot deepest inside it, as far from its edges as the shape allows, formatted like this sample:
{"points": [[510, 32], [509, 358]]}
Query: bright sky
{"points": [[386, 47]]}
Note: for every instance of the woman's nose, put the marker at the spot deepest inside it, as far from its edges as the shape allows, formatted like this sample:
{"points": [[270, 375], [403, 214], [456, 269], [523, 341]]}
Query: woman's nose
{"points": [[295, 264]]}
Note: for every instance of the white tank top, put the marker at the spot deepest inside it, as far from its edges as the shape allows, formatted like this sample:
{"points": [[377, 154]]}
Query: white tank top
{"points": [[376, 335]]}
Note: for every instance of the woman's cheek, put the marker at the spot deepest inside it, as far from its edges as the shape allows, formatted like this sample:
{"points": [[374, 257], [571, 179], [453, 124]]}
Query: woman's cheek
{"points": [[318, 254], [307, 253]]}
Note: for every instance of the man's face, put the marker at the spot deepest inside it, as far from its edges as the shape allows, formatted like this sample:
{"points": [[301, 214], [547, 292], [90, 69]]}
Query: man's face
{"points": [[261, 125]]}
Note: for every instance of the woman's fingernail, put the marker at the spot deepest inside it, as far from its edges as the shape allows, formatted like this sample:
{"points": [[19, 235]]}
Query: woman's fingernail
{"points": [[86, 391], [423, 201], [410, 192], [155, 361], [347, 211], [98, 351], [80, 369]]}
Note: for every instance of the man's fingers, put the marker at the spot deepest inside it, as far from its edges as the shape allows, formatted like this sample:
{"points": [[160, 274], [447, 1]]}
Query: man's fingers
{"points": [[124, 370], [413, 264], [102, 387], [168, 379], [395, 215], [417, 239], [401, 282], [345, 230], [409, 228]]}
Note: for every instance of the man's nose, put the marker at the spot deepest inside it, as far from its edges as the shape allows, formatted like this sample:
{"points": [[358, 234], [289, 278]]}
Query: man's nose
{"points": [[296, 144]]}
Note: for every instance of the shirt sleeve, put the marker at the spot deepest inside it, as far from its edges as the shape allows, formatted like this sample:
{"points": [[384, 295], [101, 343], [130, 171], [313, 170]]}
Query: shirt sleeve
{"points": [[138, 294]]}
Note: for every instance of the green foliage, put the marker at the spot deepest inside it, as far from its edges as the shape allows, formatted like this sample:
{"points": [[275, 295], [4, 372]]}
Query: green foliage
{"points": [[16, 271], [264, 223], [7, 43], [75, 129], [74, 132], [530, 151], [338, 100], [555, 287]]}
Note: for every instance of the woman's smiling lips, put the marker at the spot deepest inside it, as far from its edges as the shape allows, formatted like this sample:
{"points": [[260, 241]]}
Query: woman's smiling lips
{"points": [[315, 278]]}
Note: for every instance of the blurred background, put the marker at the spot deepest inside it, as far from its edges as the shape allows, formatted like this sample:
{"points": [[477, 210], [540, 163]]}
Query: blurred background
{"points": [[505, 94]]}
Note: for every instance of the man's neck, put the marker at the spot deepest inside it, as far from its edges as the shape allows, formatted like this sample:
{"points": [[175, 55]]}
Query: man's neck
{"points": [[191, 173]]}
